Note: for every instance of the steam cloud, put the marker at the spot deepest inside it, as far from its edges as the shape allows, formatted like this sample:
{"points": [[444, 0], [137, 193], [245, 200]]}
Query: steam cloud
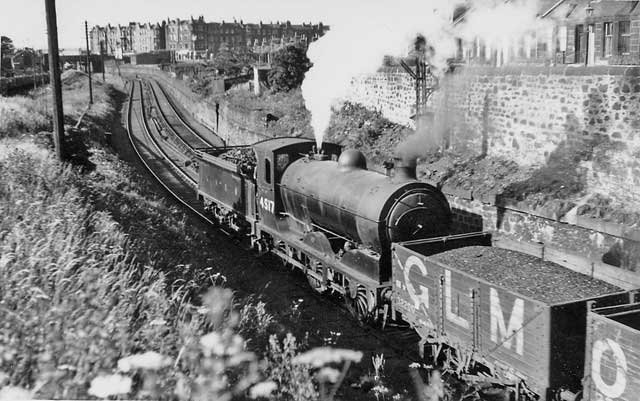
{"points": [[358, 44]]}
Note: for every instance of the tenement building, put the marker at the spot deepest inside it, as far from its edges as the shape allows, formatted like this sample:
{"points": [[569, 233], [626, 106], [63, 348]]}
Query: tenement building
{"points": [[569, 32], [194, 38], [122, 40]]}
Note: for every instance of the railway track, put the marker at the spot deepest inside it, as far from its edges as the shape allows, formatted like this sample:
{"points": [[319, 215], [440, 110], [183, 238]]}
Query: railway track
{"points": [[207, 135], [174, 122], [165, 169]]}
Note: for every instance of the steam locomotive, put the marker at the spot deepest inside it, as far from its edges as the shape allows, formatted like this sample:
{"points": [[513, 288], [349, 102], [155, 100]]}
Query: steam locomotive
{"points": [[383, 242], [324, 213]]}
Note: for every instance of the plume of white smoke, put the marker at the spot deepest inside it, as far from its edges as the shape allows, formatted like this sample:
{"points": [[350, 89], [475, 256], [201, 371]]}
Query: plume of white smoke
{"points": [[497, 22], [357, 44]]}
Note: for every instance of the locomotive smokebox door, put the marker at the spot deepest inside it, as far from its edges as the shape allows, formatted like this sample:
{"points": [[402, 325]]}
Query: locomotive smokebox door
{"points": [[411, 218]]}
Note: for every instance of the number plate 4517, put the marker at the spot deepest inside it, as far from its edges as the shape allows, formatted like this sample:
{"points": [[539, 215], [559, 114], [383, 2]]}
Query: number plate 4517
{"points": [[267, 204]]}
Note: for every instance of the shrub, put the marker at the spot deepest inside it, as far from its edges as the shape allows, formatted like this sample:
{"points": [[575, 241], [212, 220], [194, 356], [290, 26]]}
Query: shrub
{"points": [[20, 115], [288, 68]]}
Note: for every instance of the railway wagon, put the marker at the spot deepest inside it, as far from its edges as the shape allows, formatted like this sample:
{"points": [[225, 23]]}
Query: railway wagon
{"points": [[612, 358], [502, 317]]}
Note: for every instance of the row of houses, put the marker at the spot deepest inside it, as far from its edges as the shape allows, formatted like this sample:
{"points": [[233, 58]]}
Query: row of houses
{"points": [[587, 32], [569, 32], [195, 38]]}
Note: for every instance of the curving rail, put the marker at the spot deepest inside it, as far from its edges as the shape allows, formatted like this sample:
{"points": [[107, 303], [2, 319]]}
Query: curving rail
{"points": [[164, 168], [204, 142]]}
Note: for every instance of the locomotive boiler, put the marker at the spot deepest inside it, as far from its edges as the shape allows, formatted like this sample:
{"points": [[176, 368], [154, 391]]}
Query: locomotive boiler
{"points": [[370, 208]]}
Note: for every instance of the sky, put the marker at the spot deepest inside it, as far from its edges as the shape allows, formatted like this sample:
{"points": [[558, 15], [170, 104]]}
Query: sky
{"points": [[24, 20]]}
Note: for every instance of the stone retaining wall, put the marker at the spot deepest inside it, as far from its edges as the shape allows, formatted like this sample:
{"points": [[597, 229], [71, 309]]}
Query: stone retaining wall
{"points": [[235, 127]]}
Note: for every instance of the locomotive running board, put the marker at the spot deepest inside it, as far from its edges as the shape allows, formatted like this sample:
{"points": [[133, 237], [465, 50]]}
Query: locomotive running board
{"points": [[345, 270], [306, 270]]}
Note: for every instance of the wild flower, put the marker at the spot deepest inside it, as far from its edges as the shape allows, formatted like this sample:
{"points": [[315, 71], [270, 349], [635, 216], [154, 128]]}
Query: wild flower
{"points": [[235, 345], [212, 343], [219, 344], [263, 389], [149, 361], [380, 390], [378, 365], [434, 390], [333, 338], [294, 381], [322, 356], [203, 310], [328, 374], [11, 393], [105, 386], [417, 365]]}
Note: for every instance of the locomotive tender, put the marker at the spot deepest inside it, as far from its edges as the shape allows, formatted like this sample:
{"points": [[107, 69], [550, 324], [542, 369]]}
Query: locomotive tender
{"points": [[381, 241]]}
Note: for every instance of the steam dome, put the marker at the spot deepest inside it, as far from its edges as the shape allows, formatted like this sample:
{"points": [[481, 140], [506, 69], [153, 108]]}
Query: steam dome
{"points": [[352, 159]]}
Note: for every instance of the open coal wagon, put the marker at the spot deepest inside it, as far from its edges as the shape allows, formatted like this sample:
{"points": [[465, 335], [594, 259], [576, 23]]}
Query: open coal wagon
{"points": [[499, 316], [612, 358]]}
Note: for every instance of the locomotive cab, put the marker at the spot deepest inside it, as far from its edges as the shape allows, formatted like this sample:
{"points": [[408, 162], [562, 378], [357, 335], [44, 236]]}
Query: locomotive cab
{"points": [[273, 157]]}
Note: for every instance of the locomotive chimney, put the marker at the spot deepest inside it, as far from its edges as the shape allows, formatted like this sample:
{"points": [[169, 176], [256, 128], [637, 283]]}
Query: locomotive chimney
{"points": [[315, 155], [405, 170]]}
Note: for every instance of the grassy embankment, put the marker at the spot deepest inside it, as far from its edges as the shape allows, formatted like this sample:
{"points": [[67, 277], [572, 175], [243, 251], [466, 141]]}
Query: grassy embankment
{"points": [[100, 282]]}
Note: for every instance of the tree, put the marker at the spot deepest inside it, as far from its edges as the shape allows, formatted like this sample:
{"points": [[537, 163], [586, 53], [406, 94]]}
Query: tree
{"points": [[7, 46], [6, 51], [232, 60], [288, 68]]}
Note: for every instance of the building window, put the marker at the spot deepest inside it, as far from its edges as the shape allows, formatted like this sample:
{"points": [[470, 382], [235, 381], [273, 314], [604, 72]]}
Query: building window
{"points": [[624, 37], [607, 29], [579, 40]]}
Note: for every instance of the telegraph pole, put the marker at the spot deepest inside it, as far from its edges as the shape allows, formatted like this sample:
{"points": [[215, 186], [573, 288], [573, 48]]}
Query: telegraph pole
{"points": [[102, 59], [86, 36], [54, 73]]}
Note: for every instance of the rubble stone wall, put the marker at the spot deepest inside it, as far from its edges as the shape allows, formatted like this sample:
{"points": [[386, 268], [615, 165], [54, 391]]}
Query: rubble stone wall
{"points": [[526, 113], [391, 93]]}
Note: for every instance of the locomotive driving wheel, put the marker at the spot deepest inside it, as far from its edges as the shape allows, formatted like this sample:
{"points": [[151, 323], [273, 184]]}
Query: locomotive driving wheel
{"points": [[359, 302], [317, 285]]}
